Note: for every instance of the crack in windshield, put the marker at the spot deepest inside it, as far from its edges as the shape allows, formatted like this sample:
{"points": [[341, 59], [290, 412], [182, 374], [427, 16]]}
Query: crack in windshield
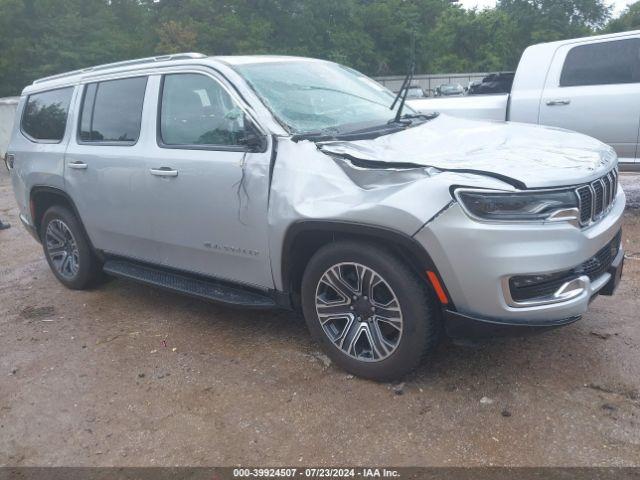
{"points": [[319, 98]]}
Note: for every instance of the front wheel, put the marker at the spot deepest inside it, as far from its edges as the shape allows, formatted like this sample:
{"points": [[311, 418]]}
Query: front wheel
{"points": [[372, 315]]}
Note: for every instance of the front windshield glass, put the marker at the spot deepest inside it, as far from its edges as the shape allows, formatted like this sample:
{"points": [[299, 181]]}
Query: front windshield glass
{"points": [[312, 96]]}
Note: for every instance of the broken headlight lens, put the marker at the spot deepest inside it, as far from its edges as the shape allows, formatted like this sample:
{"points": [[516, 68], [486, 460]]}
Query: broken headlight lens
{"points": [[521, 206]]}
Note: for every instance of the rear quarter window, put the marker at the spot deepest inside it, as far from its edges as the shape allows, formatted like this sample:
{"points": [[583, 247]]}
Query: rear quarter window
{"points": [[45, 115], [602, 63]]}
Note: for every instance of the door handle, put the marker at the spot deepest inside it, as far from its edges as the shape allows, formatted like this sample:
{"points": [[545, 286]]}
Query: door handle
{"points": [[164, 172], [558, 103], [77, 165]]}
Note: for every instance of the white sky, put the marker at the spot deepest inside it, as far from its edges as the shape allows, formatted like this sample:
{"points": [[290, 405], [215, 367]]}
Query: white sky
{"points": [[618, 5]]}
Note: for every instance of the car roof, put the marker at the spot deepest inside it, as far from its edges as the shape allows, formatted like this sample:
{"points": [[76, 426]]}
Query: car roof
{"points": [[593, 38], [253, 59], [65, 79]]}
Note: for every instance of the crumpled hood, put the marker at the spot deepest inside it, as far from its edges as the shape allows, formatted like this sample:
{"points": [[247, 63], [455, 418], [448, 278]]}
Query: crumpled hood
{"points": [[532, 155]]}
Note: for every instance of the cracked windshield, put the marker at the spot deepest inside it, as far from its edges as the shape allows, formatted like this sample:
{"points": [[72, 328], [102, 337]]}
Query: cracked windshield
{"points": [[319, 96]]}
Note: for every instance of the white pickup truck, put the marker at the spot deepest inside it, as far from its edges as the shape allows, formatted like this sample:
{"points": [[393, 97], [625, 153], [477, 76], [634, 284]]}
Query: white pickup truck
{"points": [[590, 85]]}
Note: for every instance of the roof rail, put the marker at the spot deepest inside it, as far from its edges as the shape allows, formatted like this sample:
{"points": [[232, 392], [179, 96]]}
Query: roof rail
{"points": [[125, 63]]}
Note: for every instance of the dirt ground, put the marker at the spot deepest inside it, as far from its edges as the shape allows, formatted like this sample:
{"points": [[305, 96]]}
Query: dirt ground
{"points": [[127, 375]]}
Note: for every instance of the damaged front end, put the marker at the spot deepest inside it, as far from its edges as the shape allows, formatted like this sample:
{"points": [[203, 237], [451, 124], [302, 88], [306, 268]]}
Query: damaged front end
{"points": [[313, 183], [524, 156], [407, 182]]}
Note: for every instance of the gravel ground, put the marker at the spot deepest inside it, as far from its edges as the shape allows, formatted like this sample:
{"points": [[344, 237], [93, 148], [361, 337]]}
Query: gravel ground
{"points": [[127, 375], [631, 184]]}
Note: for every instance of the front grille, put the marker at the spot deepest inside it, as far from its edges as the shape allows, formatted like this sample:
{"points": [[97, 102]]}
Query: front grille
{"points": [[597, 197], [599, 203], [531, 287], [586, 203]]}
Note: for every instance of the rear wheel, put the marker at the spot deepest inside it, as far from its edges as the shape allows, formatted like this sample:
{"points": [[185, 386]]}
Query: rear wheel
{"points": [[372, 315], [67, 249]]}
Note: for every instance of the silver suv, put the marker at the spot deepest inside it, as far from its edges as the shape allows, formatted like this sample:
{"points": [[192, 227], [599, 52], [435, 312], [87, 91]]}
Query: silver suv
{"points": [[290, 182]]}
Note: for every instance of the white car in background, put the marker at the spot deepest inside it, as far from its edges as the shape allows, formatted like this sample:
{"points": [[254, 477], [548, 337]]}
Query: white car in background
{"points": [[590, 85]]}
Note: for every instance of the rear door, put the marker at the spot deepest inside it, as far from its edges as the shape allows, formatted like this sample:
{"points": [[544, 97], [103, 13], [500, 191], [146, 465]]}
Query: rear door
{"points": [[594, 88], [106, 170]]}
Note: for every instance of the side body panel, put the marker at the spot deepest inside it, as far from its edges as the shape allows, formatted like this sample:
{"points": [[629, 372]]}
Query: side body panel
{"points": [[209, 223], [310, 185]]}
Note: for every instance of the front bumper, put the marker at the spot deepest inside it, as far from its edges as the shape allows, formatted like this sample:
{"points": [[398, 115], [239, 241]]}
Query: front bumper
{"points": [[474, 259], [459, 325]]}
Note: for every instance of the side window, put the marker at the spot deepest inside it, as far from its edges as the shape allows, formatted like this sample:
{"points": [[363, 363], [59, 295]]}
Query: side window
{"points": [[45, 114], [602, 64], [196, 110], [112, 111]]}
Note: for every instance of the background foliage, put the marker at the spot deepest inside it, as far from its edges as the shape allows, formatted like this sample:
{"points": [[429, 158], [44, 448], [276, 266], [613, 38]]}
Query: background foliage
{"points": [[43, 37]]}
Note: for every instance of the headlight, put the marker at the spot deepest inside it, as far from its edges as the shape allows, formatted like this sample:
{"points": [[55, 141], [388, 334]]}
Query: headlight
{"points": [[520, 206]]}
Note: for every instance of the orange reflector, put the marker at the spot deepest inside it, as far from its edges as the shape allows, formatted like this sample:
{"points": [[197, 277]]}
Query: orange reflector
{"points": [[437, 286]]}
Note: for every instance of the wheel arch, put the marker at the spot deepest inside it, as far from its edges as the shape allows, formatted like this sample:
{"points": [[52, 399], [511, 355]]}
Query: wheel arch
{"points": [[42, 197], [306, 237]]}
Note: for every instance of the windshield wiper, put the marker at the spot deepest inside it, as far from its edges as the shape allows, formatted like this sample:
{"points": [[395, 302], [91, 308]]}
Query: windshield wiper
{"points": [[332, 133], [414, 116], [403, 92]]}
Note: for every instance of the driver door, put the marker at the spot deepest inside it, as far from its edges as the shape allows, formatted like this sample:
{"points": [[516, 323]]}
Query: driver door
{"points": [[209, 188]]}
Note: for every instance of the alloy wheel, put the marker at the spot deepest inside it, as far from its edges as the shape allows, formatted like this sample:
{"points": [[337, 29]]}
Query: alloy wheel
{"points": [[62, 249], [359, 312]]}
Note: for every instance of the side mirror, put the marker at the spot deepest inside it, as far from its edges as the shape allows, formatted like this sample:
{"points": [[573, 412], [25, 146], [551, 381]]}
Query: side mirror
{"points": [[252, 138]]}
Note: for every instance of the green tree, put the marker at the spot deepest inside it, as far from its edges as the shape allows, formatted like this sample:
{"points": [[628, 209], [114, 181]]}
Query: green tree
{"points": [[44, 37], [472, 41], [629, 20], [539, 21]]}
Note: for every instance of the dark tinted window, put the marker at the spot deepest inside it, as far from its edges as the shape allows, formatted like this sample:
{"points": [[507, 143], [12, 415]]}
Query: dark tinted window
{"points": [[112, 110], [45, 115], [602, 63], [196, 110]]}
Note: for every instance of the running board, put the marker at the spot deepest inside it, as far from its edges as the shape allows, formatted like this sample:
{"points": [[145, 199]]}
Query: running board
{"points": [[188, 285]]}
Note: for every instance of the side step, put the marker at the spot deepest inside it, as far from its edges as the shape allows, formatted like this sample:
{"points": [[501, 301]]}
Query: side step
{"points": [[187, 284]]}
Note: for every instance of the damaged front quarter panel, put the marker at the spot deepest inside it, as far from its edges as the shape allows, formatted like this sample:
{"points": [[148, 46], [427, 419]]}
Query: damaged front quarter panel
{"points": [[370, 174], [309, 184]]}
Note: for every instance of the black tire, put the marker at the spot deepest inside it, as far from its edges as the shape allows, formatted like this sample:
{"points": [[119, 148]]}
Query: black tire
{"points": [[421, 317], [89, 268]]}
